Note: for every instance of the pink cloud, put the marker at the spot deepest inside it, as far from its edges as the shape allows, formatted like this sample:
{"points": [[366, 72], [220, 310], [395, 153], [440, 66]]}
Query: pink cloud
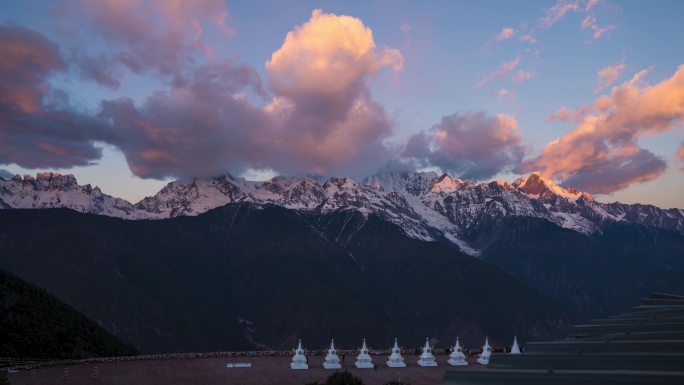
{"points": [[591, 4], [143, 35], [608, 75], [680, 151], [405, 27], [589, 22], [529, 38], [505, 34], [319, 76], [320, 118], [505, 94], [28, 58], [36, 129], [198, 128], [472, 145], [557, 11], [601, 155], [522, 76], [563, 114], [503, 69], [315, 116]]}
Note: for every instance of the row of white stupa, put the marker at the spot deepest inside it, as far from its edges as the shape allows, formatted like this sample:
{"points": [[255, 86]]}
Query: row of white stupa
{"points": [[395, 360]]}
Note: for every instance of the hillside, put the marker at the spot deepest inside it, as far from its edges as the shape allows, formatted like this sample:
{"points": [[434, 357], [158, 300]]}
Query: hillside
{"points": [[35, 324], [245, 276]]}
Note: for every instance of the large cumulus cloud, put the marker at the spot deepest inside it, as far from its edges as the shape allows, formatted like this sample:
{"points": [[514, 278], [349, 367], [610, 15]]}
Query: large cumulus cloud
{"points": [[473, 145], [602, 154], [327, 119]]}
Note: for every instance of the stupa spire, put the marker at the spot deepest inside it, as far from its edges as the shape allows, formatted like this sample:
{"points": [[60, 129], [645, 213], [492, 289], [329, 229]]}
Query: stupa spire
{"points": [[364, 360], [332, 361], [426, 358], [483, 358], [395, 359], [515, 349], [457, 358], [299, 359]]}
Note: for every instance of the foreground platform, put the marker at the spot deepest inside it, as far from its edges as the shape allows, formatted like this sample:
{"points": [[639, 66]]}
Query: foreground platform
{"points": [[213, 371]]}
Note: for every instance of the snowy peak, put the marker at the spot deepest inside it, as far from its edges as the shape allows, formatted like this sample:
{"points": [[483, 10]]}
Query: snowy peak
{"points": [[47, 181], [539, 186], [414, 183], [446, 184], [50, 190]]}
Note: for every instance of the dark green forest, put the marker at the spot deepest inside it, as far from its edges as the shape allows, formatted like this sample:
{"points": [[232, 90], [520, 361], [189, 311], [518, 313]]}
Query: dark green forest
{"points": [[35, 324]]}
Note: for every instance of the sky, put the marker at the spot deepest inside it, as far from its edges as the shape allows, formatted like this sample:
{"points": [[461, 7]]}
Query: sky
{"points": [[131, 94]]}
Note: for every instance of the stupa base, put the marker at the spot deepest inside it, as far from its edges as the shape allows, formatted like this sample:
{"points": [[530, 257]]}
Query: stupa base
{"points": [[427, 363], [396, 364], [457, 362]]}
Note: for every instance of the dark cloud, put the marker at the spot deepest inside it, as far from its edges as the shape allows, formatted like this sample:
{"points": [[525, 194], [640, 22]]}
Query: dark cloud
{"points": [[618, 172], [203, 126], [140, 35], [36, 129], [471, 146], [101, 68]]}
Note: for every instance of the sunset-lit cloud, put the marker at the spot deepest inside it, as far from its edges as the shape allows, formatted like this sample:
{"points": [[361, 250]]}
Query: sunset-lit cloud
{"points": [[608, 75], [503, 69], [557, 11], [602, 154], [563, 114], [472, 145], [36, 129], [506, 95], [142, 35], [315, 115], [529, 38], [505, 34], [320, 71], [198, 128], [321, 118], [589, 22], [522, 76]]}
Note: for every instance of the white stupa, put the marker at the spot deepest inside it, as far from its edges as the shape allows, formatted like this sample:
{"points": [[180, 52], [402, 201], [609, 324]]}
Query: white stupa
{"points": [[483, 359], [426, 358], [515, 349], [457, 358], [364, 360], [299, 360], [332, 361], [395, 359]]}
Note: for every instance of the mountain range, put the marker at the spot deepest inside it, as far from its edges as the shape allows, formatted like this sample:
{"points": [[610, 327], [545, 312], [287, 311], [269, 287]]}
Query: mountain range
{"points": [[424, 205], [228, 264]]}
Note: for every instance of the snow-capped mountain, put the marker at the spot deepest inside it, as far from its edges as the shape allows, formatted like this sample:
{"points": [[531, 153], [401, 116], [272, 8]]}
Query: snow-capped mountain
{"points": [[425, 205], [49, 190]]}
